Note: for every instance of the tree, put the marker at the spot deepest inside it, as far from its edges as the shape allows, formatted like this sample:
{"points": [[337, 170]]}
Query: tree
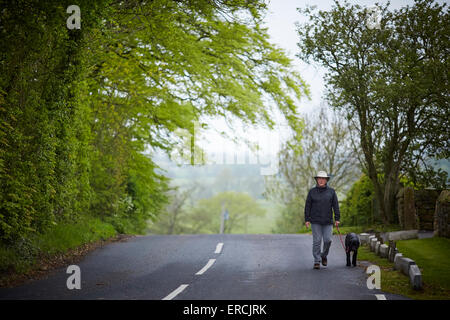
{"points": [[173, 220], [392, 83], [161, 66], [83, 110], [325, 145], [357, 208], [164, 64], [206, 215], [44, 140]]}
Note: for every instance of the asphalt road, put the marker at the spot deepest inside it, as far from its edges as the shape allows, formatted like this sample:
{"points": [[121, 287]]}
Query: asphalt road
{"points": [[194, 267]]}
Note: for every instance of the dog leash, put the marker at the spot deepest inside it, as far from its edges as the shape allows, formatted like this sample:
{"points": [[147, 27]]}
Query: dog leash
{"points": [[340, 238]]}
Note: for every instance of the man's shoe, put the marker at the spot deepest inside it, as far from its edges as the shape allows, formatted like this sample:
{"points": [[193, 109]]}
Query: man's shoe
{"points": [[324, 261], [316, 265]]}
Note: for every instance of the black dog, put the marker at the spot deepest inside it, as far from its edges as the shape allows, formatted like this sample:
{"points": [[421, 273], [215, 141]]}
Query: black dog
{"points": [[352, 244]]}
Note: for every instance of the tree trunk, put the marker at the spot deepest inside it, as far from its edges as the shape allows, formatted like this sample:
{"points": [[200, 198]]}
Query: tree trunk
{"points": [[380, 195]]}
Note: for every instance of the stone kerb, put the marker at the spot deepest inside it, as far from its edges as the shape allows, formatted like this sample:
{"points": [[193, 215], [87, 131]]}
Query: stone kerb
{"points": [[377, 248], [373, 242], [384, 250], [415, 277], [364, 238], [402, 235], [397, 261], [406, 265]]}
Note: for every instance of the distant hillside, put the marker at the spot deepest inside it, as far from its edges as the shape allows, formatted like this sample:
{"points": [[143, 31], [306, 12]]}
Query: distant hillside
{"points": [[213, 178]]}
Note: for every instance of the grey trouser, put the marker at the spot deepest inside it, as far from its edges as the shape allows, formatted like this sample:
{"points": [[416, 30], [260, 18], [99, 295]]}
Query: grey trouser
{"points": [[320, 232]]}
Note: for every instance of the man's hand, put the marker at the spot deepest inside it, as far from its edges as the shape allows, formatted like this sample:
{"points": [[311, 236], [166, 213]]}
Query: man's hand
{"points": [[307, 224], [336, 223]]}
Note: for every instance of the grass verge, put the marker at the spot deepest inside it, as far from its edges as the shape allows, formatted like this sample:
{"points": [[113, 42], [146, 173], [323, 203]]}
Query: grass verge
{"points": [[432, 257], [358, 229], [64, 243]]}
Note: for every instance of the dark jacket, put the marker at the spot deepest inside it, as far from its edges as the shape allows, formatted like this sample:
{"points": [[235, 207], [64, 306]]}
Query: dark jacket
{"points": [[319, 205]]}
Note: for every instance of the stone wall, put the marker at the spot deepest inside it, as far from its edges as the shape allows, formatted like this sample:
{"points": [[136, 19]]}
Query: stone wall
{"points": [[406, 209], [442, 215], [400, 209], [425, 203], [426, 209]]}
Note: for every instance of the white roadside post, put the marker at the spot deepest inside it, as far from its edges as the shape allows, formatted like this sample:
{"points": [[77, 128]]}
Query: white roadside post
{"points": [[222, 219]]}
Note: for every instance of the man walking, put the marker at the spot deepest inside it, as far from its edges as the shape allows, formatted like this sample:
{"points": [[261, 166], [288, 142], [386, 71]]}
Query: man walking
{"points": [[320, 204]]}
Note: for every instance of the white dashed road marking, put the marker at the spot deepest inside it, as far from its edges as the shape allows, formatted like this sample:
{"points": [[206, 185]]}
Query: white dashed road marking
{"points": [[380, 297], [219, 247], [180, 289], [177, 291], [208, 265]]}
